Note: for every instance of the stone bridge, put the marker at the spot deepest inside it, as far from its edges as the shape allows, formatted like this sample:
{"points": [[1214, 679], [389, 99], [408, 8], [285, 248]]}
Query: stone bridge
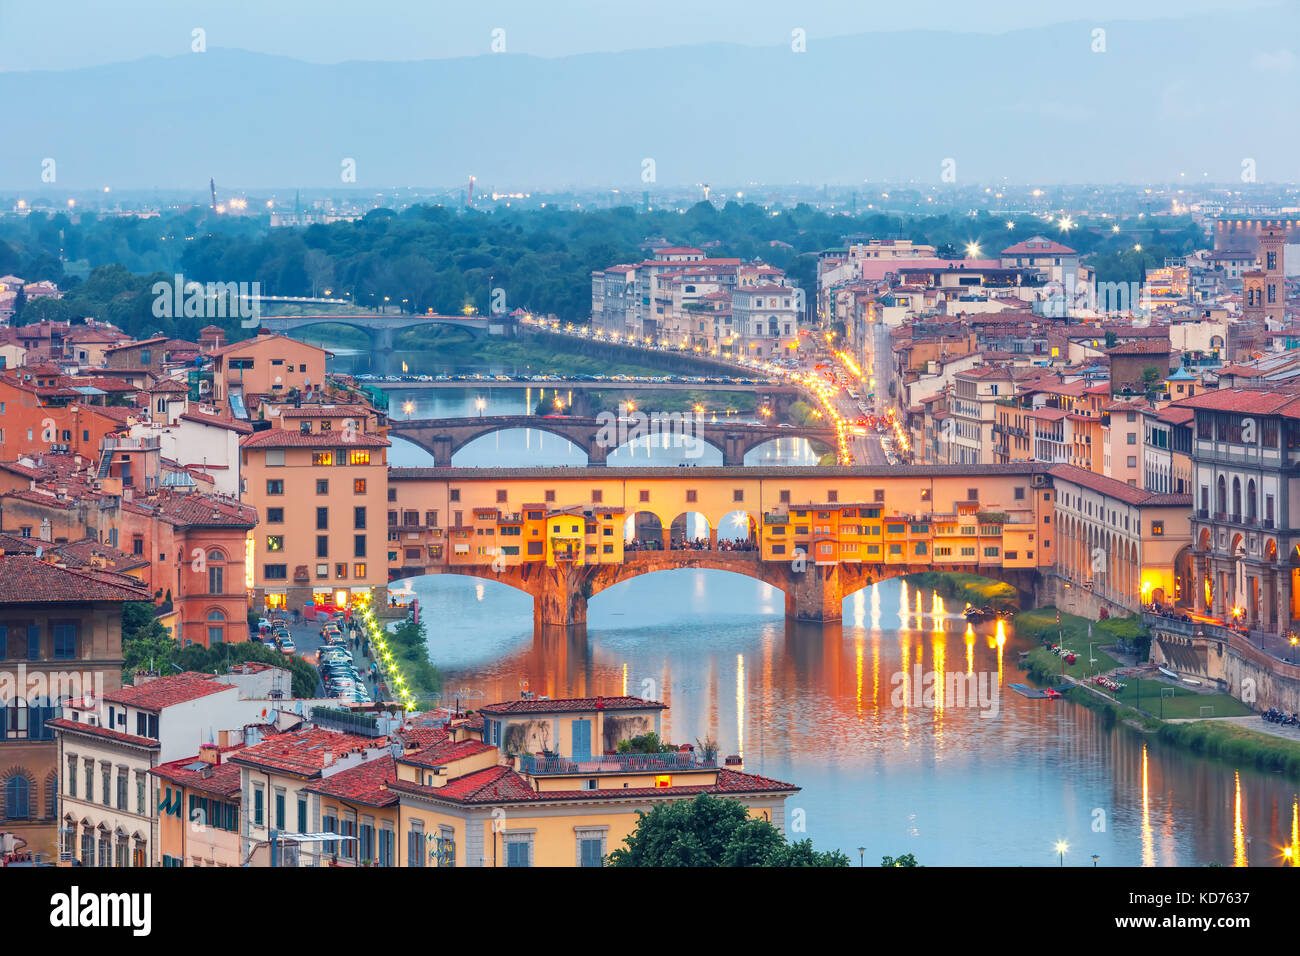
{"points": [[443, 437], [381, 327], [812, 592]]}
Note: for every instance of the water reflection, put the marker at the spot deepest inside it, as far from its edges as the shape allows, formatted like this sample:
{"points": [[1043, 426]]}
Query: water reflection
{"points": [[876, 769]]}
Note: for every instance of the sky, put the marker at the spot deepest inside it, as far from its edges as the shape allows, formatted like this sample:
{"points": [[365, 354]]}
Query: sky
{"points": [[68, 34]]}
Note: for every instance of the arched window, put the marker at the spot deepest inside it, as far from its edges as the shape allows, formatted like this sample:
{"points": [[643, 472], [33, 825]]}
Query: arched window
{"points": [[18, 798], [1251, 508], [1236, 498], [216, 626], [1222, 499], [216, 571]]}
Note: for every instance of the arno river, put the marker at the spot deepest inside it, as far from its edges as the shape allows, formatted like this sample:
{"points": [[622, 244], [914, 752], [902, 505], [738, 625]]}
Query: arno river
{"points": [[841, 710]]}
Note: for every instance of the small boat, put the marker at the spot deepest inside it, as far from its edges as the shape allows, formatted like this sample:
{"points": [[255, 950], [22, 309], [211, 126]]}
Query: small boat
{"points": [[1191, 680], [1167, 672]]}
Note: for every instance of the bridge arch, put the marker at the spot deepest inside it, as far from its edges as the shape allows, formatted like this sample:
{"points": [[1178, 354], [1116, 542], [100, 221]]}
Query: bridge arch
{"points": [[689, 528], [483, 439]]}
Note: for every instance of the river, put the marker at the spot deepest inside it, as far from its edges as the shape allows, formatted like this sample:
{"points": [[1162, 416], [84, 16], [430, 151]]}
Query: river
{"points": [[840, 710]]}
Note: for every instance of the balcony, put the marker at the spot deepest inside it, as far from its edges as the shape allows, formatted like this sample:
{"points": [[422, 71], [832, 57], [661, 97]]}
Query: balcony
{"points": [[672, 762]]}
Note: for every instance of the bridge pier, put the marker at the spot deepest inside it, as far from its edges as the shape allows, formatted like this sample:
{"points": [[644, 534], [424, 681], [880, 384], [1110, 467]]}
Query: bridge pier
{"points": [[597, 454], [560, 598], [816, 594], [441, 451], [733, 449]]}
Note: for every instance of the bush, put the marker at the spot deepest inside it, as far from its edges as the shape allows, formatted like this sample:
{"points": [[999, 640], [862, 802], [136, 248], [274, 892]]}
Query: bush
{"points": [[969, 588]]}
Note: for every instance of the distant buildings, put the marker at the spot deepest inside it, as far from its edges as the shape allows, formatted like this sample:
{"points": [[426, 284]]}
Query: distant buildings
{"points": [[682, 296]]}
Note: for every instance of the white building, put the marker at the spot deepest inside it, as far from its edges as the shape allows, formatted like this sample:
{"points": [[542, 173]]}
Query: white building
{"points": [[108, 806]]}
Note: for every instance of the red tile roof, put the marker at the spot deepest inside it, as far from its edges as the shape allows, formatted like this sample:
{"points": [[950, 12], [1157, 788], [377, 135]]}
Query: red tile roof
{"points": [[303, 752], [1116, 489], [223, 780], [292, 438], [367, 783], [1038, 246], [166, 691], [498, 785], [570, 705], [29, 580], [443, 752], [73, 726]]}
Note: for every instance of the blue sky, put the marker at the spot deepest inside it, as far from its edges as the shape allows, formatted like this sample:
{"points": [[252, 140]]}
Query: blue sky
{"points": [[66, 34]]}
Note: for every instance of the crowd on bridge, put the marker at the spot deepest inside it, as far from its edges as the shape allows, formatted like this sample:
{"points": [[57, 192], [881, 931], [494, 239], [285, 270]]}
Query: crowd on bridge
{"points": [[693, 544]]}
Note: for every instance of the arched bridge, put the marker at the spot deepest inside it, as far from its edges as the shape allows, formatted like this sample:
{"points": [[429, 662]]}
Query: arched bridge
{"points": [[813, 592], [443, 437], [381, 327], [819, 534]]}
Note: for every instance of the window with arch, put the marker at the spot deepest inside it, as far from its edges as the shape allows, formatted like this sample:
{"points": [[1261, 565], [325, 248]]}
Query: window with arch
{"points": [[216, 571], [18, 798], [216, 626]]}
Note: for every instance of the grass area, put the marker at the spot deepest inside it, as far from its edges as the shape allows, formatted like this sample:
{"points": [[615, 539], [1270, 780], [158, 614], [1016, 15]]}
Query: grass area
{"points": [[972, 588], [1185, 703], [1237, 744], [1046, 667]]}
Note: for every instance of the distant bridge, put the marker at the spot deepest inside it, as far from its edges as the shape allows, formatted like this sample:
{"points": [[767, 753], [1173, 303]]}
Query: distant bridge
{"points": [[443, 437], [381, 327]]}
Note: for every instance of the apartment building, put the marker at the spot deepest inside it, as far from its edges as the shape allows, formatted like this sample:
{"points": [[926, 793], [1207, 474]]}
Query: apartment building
{"points": [[320, 491], [60, 639], [109, 803]]}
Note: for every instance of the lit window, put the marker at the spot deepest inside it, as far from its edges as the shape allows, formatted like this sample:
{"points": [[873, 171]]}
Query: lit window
{"points": [[275, 542], [358, 457], [322, 458]]}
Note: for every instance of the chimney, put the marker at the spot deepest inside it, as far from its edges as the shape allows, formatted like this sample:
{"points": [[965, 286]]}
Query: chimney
{"points": [[734, 762], [209, 754]]}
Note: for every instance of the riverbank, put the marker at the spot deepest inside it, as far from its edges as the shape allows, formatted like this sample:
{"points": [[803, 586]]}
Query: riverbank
{"points": [[971, 589], [1185, 723]]}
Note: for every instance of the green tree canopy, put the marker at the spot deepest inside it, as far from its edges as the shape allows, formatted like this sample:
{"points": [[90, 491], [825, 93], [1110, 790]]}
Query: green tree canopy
{"points": [[711, 831]]}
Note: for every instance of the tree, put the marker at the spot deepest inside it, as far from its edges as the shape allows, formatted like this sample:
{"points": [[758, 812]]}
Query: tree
{"points": [[711, 831], [146, 645], [906, 859]]}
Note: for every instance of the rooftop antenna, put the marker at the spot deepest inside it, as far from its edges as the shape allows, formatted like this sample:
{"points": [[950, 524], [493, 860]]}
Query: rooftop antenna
{"points": [[212, 188]]}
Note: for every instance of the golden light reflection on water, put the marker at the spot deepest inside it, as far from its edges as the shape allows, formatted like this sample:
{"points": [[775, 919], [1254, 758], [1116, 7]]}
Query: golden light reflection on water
{"points": [[1238, 824], [740, 704], [1148, 837], [807, 699]]}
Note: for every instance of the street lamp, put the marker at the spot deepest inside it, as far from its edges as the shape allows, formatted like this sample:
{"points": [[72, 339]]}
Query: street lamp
{"points": [[1094, 861], [1061, 847], [480, 404], [862, 860]]}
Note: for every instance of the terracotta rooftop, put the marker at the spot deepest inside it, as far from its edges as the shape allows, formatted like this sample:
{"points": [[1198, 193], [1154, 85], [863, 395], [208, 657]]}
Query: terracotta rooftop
{"points": [[498, 785], [164, 692], [223, 779], [367, 783], [442, 752], [292, 438], [303, 752], [571, 705], [29, 580], [1120, 491], [90, 730]]}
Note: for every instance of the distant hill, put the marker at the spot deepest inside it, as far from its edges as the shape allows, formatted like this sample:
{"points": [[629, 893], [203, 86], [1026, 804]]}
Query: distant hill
{"points": [[1192, 96]]}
